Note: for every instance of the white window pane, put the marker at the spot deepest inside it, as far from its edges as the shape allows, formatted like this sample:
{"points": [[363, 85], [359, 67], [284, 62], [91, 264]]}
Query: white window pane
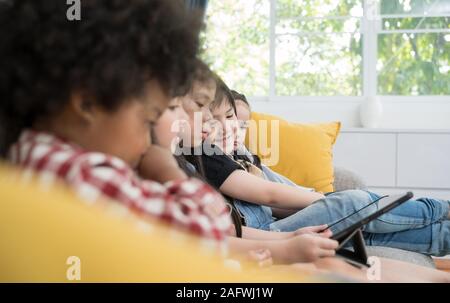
{"points": [[349, 25], [416, 23], [414, 64], [388, 7], [319, 65], [236, 43], [315, 8]]}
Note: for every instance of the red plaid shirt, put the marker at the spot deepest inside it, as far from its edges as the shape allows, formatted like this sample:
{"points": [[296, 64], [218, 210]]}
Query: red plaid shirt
{"points": [[93, 175]]}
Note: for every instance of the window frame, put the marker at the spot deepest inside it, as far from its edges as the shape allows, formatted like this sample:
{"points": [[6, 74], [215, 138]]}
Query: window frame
{"points": [[370, 28]]}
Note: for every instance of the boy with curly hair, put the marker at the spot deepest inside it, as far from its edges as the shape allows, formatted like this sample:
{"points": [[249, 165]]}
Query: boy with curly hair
{"points": [[79, 100]]}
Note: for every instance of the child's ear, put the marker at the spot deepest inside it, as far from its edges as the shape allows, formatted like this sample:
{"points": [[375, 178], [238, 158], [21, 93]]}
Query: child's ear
{"points": [[83, 107]]}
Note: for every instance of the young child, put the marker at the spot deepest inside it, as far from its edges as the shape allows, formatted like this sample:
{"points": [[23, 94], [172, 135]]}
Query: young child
{"points": [[420, 225], [79, 100], [115, 71], [289, 247], [243, 112], [267, 247]]}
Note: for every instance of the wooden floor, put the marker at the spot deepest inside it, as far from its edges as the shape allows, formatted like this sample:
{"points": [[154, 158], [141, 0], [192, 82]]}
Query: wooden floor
{"points": [[442, 264]]}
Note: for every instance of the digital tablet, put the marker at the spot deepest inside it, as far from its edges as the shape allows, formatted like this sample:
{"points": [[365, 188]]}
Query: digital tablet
{"points": [[344, 227]]}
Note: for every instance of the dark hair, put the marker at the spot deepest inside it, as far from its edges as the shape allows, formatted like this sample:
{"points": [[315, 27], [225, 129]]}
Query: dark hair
{"points": [[108, 56], [196, 161], [223, 94], [199, 173], [239, 96], [256, 160], [203, 73]]}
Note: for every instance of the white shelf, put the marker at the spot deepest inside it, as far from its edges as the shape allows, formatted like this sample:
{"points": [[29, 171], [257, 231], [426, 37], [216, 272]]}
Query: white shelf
{"points": [[398, 159], [394, 130]]}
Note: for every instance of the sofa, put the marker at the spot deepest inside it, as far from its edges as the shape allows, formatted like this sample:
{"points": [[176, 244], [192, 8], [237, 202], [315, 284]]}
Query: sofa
{"points": [[48, 235], [345, 179]]}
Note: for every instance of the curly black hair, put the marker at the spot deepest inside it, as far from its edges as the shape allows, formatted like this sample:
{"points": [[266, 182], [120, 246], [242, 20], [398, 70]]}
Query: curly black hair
{"points": [[108, 56]]}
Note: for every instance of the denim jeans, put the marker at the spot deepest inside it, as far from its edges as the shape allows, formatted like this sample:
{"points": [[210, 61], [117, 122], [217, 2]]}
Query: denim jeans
{"points": [[417, 225]]}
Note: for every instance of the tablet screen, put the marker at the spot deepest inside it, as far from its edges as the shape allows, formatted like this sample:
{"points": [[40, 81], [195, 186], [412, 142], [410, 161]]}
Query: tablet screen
{"points": [[369, 212]]}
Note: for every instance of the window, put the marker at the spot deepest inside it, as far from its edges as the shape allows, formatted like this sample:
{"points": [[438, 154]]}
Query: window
{"points": [[237, 43], [318, 48], [330, 47], [414, 47]]}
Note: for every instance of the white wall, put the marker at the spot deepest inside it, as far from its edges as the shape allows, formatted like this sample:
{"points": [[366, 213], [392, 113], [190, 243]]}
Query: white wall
{"points": [[393, 161], [381, 156], [399, 112]]}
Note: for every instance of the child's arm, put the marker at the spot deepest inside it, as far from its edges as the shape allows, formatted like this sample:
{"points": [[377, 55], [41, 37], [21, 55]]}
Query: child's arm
{"points": [[188, 203], [244, 186], [257, 234], [158, 164], [302, 248]]}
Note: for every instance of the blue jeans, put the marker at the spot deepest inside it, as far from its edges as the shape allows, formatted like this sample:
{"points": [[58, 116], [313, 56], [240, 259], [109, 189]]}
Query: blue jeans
{"points": [[417, 225]]}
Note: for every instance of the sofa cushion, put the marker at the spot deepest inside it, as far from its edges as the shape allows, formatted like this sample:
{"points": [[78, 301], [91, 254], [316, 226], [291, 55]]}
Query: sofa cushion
{"points": [[304, 150], [401, 255], [345, 179]]}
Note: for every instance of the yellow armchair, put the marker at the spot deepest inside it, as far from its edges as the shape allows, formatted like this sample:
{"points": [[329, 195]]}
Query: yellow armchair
{"points": [[48, 235]]}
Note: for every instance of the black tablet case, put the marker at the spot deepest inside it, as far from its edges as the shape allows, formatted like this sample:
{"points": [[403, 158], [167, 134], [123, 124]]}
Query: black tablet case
{"points": [[358, 257]]}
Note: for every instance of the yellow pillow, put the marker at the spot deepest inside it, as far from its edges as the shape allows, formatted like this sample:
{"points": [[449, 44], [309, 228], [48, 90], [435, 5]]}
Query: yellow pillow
{"points": [[305, 150], [51, 236]]}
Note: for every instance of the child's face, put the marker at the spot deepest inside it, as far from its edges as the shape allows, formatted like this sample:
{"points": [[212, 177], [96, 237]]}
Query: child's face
{"points": [[196, 105], [243, 116], [125, 133], [226, 136], [168, 126]]}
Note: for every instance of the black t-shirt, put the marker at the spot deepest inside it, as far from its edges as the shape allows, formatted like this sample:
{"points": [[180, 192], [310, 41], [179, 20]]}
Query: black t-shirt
{"points": [[217, 167]]}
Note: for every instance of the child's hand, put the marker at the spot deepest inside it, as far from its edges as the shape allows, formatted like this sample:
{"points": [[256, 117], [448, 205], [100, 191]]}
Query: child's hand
{"points": [[262, 257], [309, 248], [216, 208], [319, 230], [159, 164]]}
